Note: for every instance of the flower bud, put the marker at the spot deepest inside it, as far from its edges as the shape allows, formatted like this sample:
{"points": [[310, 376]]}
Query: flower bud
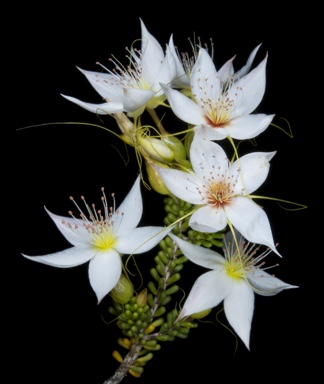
{"points": [[200, 315], [141, 299], [176, 146], [154, 178], [125, 125], [122, 291], [156, 149]]}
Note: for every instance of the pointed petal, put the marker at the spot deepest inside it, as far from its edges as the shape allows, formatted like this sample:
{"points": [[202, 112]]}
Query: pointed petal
{"points": [[181, 80], [104, 272], [254, 168], [99, 109], [68, 258], [251, 221], [183, 107], [265, 284], [248, 126], [205, 81], [129, 213], [152, 55], [182, 184], [204, 257], [245, 69], [208, 219], [207, 157], [107, 85], [226, 72], [135, 98], [141, 239], [253, 88], [239, 307], [207, 292], [211, 133], [75, 237]]}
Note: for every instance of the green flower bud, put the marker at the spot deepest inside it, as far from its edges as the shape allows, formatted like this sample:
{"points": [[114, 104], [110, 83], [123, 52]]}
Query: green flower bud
{"points": [[123, 290], [141, 299], [154, 178], [176, 146], [200, 315], [156, 149]]}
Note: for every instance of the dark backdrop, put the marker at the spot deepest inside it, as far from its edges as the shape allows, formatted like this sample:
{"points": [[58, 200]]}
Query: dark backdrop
{"points": [[57, 332]]}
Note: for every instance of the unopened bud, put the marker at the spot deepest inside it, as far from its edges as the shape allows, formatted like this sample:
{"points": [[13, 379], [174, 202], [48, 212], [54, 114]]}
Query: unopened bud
{"points": [[200, 315], [156, 149], [154, 178], [122, 291], [125, 125], [141, 299]]}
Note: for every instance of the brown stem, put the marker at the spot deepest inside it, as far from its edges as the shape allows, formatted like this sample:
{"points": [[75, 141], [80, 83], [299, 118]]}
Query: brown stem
{"points": [[128, 361]]}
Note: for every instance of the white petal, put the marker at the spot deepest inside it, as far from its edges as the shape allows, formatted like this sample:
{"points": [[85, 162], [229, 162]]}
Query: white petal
{"points": [[245, 69], [205, 82], [181, 184], [226, 71], [107, 85], [152, 56], [265, 284], [248, 126], [79, 237], [207, 157], [140, 239], [207, 292], [253, 88], [208, 219], [135, 98], [254, 171], [183, 107], [104, 272], [129, 213], [68, 258], [238, 307], [211, 133], [204, 257], [251, 221], [99, 109]]}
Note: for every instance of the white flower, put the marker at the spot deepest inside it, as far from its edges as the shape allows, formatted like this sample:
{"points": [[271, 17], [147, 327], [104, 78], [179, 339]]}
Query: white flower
{"points": [[233, 278], [135, 87], [102, 238], [222, 107], [220, 190], [185, 64]]}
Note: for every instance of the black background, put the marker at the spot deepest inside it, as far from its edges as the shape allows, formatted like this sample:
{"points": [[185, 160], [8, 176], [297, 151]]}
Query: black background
{"points": [[58, 333]]}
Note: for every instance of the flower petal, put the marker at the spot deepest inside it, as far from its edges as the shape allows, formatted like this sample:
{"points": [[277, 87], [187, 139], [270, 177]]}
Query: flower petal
{"points": [[204, 257], [134, 98], [254, 168], [68, 258], [253, 87], [129, 213], [181, 184], [99, 109], [207, 292], [208, 219], [239, 307], [204, 80], [265, 284], [245, 69], [206, 157], [141, 239], [183, 107], [251, 221], [104, 272], [107, 85], [79, 237], [247, 127]]}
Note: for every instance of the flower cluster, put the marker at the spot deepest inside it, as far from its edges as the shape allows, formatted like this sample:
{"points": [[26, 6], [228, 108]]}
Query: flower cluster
{"points": [[212, 219]]}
